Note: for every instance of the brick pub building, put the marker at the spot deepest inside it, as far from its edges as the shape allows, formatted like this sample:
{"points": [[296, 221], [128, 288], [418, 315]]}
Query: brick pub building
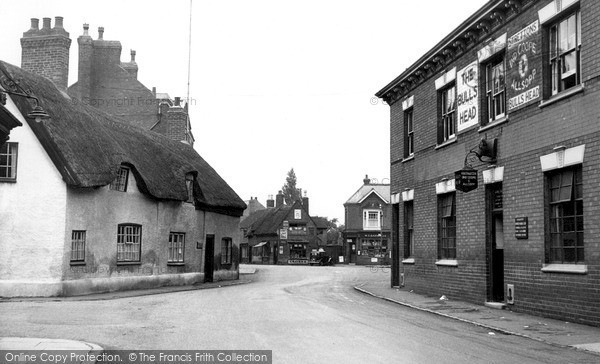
{"points": [[511, 97]]}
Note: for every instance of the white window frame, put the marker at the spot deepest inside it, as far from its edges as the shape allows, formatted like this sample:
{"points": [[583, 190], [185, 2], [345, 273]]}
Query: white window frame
{"points": [[10, 151], [447, 122], [176, 248], [120, 183], [367, 222], [129, 243], [78, 246], [557, 54]]}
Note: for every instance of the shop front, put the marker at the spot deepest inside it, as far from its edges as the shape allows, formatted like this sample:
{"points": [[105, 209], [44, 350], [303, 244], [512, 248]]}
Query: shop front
{"points": [[372, 248], [299, 254]]}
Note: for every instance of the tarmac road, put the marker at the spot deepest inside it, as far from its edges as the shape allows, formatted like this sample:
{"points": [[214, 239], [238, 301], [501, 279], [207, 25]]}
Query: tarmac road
{"points": [[303, 314]]}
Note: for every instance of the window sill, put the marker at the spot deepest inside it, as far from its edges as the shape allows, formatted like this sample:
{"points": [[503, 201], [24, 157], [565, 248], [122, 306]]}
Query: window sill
{"points": [[562, 95], [446, 143], [176, 264], [447, 262], [77, 263], [129, 263], [493, 124], [408, 261], [8, 180], [409, 158], [565, 268]]}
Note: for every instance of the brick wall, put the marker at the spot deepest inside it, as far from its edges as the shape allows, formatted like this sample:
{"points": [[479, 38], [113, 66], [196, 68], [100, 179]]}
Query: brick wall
{"points": [[530, 132], [46, 51]]}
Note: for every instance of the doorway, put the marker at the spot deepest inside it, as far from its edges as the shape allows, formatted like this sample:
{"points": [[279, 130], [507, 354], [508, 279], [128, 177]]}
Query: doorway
{"points": [[209, 258], [495, 242]]}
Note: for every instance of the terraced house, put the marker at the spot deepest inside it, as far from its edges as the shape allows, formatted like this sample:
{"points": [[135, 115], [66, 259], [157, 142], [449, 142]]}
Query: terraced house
{"points": [[93, 202], [495, 156]]}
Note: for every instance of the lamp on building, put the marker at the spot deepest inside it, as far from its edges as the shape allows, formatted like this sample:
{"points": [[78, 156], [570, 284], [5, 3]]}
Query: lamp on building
{"points": [[487, 148], [38, 113]]}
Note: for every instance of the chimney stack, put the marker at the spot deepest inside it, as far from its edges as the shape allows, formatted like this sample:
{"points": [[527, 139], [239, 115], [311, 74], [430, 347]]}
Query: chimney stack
{"points": [[35, 24], [366, 181], [84, 69], [270, 202], [58, 22], [279, 199], [46, 24], [305, 202], [46, 51], [100, 33]]}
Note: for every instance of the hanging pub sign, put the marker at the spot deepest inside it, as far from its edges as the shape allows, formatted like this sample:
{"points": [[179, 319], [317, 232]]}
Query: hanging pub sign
{"points": [[465, 179], [524, 62]]}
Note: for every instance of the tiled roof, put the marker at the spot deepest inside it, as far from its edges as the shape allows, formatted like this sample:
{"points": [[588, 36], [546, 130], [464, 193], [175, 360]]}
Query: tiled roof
{"points": [[382, 190]]}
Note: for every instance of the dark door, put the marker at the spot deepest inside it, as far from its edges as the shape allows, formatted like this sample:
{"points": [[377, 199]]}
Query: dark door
{"points": [[495, 242], [275, 253], [353, 251], [209, 258]]}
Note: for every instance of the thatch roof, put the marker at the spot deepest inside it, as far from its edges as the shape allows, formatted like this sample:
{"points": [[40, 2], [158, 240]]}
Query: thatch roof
{"points": [[88, 147]]}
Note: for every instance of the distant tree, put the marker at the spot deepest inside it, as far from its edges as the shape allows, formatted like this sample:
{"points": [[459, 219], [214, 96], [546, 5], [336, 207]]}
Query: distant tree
{"points": [[290, 192], [334, 232]]}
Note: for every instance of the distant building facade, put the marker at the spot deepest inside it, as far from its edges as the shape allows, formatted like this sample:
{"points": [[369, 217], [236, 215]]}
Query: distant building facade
{"points": [[367, 234], [282, 234], [494, 161]]}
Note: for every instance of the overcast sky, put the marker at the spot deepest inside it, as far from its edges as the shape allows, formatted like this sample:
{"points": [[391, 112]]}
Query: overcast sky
{"points": [[275, 84]]}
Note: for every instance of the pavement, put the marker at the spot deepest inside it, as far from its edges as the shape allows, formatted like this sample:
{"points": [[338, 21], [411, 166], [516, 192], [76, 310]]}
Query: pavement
{"points": [[497, 321]]}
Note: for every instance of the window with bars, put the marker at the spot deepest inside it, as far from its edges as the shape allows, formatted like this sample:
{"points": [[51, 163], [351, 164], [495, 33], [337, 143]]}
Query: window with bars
{"points": [[447, 121], [371, 219], [120, 183], [176, 248], [409, 244], [565, 52], [495, 89], [409, 137], [226, 250], [77, 246], [8, 162], [447, 226], [565, 243], [129, 243]]}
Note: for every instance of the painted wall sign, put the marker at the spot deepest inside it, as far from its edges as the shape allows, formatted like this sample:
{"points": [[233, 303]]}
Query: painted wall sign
{"points": [[521, 228], [283, 234], [524, 63], [467, 104], [466, 179], [297, 261]]}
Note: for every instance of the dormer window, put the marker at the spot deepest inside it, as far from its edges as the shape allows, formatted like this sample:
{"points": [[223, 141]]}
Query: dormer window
{"points": [[120, 183]]}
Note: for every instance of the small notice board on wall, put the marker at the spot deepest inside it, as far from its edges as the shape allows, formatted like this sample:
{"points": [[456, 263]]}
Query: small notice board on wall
{"points": [[521, 228]]}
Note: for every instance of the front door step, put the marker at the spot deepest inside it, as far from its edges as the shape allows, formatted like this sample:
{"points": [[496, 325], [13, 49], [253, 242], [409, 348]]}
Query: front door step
{"points": [[496, 305]]}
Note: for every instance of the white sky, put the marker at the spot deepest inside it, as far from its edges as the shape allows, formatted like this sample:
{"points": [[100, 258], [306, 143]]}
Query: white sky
{"points": [[275, 84]]}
